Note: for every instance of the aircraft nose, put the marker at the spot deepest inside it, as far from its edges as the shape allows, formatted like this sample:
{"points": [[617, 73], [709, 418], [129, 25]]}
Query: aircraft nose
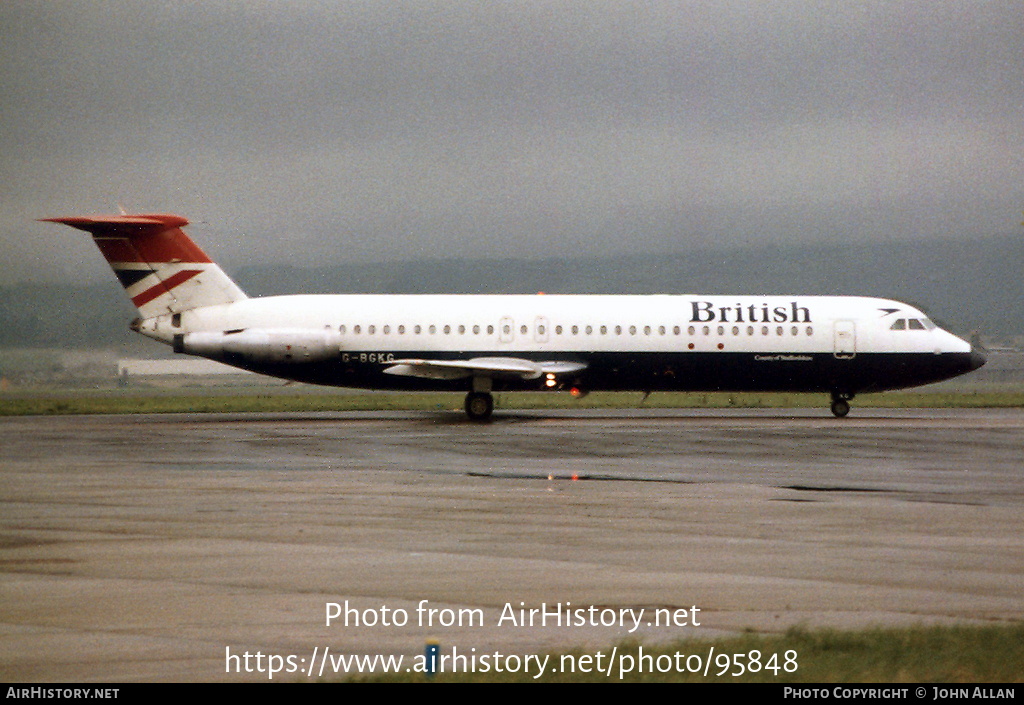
{"points": [[978, 353], [978, 358]]}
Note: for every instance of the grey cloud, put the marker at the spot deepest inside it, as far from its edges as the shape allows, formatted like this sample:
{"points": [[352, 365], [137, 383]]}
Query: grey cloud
{"points": [[305, 131]]}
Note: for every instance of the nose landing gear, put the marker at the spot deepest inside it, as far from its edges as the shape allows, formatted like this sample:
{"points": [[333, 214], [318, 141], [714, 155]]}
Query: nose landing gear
{"points": [[841, 403]]}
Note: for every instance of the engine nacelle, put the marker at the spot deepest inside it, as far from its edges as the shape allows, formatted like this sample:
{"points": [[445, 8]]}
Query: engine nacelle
{"points": [[277, 345]]}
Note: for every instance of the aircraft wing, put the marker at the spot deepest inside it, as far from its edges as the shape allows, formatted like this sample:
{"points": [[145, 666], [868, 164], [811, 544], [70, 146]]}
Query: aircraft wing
{"points": [[494, 367]]}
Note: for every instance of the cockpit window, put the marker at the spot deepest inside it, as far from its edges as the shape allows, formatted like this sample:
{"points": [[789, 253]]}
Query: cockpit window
{"points": [[912, 324]]}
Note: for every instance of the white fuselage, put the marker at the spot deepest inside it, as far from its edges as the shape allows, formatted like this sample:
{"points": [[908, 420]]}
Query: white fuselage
{"points": [[641, 342], [552, 323]]}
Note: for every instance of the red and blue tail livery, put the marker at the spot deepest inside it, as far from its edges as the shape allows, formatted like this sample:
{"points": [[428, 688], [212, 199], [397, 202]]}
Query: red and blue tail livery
{"points": [[160, 267]]}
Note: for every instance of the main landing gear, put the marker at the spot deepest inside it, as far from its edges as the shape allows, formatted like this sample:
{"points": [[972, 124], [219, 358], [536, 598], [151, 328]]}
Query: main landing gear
{"points": [[479, 406], [841, 403]]}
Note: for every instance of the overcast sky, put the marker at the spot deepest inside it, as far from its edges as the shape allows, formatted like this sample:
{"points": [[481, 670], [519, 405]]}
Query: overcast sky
{"points": [[318, 132]]}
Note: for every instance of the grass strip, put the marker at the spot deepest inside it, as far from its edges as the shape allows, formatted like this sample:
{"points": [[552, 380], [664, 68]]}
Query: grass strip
{"points": [[119, 402], [935, 654]]}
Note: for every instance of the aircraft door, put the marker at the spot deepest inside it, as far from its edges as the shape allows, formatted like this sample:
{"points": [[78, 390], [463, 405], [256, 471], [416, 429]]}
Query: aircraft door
{"points": [[845, 337], [506, 329]]}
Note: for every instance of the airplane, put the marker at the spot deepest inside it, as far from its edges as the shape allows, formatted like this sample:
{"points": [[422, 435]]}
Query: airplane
{"points": [[480, 344]]}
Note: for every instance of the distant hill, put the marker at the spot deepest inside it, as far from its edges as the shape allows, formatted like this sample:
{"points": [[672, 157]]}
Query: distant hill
{"points": [[966, 285], [65, 316]]}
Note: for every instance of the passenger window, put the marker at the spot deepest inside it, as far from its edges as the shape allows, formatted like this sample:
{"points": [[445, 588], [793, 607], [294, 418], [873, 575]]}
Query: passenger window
{"points": [[490, 330], [356, 329], [371, 329], [432, 330], [416, 330], [735, 330], [604, 330], [447, 330], [558, 330], [618, 330], [341, 329], [387, 329], [476, 330], [522, 329], [900, 324]]}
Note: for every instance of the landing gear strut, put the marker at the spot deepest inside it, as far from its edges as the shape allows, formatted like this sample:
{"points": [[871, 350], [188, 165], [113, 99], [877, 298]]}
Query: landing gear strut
{"points": [[479, 406], [841, 404]]}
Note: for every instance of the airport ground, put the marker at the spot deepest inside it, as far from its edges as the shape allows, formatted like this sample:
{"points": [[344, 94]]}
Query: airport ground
{"points": [[143, 547]]}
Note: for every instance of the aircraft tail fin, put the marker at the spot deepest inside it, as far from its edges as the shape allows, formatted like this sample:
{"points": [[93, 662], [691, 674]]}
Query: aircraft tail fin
{"points": [[160, 267]]}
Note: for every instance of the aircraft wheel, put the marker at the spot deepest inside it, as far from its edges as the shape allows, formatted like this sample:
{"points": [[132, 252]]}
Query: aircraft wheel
{"points": [[479, 406], [840, 407]]}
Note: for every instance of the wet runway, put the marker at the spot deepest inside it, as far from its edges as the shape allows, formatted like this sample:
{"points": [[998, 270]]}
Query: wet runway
{"points": [[141, 547]]}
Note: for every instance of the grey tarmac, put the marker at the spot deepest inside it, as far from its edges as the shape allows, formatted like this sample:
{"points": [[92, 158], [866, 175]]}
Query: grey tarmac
{"points": [[140, 547]]}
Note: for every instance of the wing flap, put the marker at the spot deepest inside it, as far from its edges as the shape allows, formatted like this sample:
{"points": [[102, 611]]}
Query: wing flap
{"points": [[494, 367]]}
